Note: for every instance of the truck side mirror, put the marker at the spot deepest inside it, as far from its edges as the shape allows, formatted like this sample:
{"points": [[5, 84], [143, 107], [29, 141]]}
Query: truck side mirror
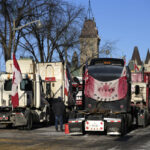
{"points": [[137, 89]]}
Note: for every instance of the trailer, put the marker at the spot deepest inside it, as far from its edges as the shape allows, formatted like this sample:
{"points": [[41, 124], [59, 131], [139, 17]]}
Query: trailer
{"points": [[106, 99], [56, 81], [140, 97], [33, 107]]}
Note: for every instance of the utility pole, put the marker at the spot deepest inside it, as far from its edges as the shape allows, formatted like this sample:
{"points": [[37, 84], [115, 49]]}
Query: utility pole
{"points": [[14, 25]]}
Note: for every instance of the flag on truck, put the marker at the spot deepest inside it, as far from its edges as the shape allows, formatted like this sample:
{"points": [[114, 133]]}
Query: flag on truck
{"points": [[136, 67], [108, 90], [17, 77], [66, 90], [85, 78]]}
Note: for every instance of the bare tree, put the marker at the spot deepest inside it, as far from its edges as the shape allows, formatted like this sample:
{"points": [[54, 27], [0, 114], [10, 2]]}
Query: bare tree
{"points": [[59, 36], [106, 50], [12, 14], [62, 25]]}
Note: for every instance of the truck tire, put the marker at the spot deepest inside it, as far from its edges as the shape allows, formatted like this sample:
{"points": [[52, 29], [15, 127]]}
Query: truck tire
{"points": [[29, 118], [124, 126], [47, 118], [145, 120], [9, 126]]}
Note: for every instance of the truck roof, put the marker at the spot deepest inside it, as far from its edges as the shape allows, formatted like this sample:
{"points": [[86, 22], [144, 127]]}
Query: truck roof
{"points": [[50, 71], [26, 66], [113, 61]]}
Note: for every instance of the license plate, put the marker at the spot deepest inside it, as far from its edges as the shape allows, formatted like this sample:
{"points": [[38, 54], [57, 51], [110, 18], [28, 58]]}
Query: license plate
{"points": [[94, 125]]}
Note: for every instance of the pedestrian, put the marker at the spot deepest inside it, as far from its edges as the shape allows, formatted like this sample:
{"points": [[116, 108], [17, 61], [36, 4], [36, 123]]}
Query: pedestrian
{"points": [[58, 109]]}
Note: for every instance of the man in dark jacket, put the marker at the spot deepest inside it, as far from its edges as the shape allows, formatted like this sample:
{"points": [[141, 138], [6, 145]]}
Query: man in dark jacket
{"points": [[58, 109]]}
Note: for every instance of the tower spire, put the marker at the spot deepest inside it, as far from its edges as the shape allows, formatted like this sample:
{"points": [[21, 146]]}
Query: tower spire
{"points": [[89, 12], [147, 57]]}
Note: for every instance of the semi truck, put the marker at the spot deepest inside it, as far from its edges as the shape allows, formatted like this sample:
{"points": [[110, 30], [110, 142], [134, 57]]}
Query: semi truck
{"points": [[77, 92], [114, 98], [33, 107], [140, 97], [57, 82], [106, 99]]}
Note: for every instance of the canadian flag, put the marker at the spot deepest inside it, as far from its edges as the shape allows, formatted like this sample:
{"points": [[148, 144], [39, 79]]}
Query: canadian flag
{"points": [[107, 91], [66, 84], [136, 67], [86, 72], [17, 77]]}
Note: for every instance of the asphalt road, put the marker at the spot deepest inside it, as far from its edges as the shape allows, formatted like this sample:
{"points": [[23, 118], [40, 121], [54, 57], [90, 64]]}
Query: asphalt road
{"points": [[46, 138]]}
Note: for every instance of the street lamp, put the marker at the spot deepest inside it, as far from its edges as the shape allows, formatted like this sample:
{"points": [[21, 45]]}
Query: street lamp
{"points": [[39, 24], [20, 27]]}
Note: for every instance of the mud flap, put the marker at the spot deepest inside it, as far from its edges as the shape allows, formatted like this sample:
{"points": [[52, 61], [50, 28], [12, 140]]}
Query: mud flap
{"points": [[114, 126], [76, 127], [143, 118], [20, 120]]}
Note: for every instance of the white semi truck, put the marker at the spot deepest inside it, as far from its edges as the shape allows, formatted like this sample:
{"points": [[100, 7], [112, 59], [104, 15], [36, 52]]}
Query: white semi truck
{"points": [[57, 82], [33, 107], [140, 97]]}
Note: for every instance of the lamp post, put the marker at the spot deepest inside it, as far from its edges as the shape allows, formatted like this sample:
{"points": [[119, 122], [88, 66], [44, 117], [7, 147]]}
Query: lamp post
{"points": [[20, 27], [14, 32]]}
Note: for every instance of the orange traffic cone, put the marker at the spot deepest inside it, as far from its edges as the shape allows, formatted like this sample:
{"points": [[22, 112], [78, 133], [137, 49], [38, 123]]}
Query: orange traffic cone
{"points": [[66, 128]]}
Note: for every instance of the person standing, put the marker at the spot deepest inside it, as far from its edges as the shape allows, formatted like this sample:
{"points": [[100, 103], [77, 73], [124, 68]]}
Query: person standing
{"points": [[58, 109]]}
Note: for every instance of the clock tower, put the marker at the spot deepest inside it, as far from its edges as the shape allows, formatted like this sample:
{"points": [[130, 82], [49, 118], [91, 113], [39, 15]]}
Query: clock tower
{"points": [[89, 39]]}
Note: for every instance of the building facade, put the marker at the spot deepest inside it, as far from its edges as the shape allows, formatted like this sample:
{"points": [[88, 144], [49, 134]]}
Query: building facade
{"points": [[89, 41]]}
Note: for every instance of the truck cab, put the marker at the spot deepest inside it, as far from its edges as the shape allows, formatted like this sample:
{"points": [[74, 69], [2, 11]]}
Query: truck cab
{"points": [[33, 107]]}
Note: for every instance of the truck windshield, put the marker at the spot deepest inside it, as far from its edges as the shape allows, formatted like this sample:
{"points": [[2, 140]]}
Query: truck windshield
{"points": [[26, 85], [105, 72], [8, 85]]}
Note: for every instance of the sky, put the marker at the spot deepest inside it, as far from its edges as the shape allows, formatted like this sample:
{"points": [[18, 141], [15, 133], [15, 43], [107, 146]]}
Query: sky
{"points": [[125, 22]]}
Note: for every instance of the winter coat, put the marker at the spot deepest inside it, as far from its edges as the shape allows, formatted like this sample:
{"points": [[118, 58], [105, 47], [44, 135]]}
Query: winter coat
{"points": [[58, 108]]}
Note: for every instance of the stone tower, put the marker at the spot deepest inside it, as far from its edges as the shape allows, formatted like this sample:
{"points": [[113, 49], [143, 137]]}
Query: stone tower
{"points": [[136, 56], [135, 60], [89, 39], [147, 60]]}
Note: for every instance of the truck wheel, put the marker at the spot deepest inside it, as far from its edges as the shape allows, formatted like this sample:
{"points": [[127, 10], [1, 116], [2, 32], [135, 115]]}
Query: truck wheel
{"points": [[144, 120], [9, 126], [124, 127], [29, 121], [47, 119]]}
